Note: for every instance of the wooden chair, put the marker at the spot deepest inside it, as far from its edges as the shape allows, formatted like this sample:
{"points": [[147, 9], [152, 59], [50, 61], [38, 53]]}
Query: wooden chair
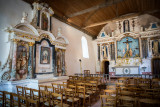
{"points": [[15, 101], [71, 97], [20, 90], [7, 99], [2, 98], [108, 101], [42, 87], [126, 101], [122, 80], [35, 94], [144, 85], [27, 92], [45, 98], [148, 103], [132, 82], [32, 103], [81, 91], [110, 92], [57, 100], [155, 83], [127, 93], [50, 89], [22, 101]]}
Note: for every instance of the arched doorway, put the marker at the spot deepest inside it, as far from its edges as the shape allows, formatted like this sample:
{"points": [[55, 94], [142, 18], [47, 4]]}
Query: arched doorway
{"points": [[155, 66], [106, 67]]}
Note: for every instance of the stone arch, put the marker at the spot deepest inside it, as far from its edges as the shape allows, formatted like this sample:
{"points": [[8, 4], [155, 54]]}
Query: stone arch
{"points": [[62, 39], [51, 36]]}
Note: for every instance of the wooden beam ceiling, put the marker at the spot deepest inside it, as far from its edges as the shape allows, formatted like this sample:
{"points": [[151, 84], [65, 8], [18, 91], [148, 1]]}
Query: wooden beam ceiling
{"points": [[94, 8], [120, 17], [90, 16]]}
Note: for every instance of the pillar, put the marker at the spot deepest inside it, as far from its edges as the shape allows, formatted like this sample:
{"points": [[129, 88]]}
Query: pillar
{"points": [[30, 61], [14, 57]]}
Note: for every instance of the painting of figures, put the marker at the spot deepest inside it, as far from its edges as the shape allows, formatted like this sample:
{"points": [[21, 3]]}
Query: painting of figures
{"points": [[128, 47], [22, 63], [44, 24], [45, 55]]}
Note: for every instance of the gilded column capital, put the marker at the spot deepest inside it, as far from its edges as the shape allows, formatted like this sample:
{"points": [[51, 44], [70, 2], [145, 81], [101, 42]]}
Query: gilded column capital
{"points": [[15, 40], [63, 50], [56, 49], [30, 43]]}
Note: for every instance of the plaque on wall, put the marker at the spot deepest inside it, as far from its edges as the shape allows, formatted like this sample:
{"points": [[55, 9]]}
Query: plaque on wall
{"points": [[45, 55]]}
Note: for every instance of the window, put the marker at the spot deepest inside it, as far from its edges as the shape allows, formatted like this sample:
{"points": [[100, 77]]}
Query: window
{"points": [[84, 47]]}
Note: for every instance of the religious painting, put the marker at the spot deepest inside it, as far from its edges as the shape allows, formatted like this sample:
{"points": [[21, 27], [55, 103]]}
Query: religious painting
{"points": [[126, 26], [44, 22], [128, 47], [22, 60], [45, 55]]}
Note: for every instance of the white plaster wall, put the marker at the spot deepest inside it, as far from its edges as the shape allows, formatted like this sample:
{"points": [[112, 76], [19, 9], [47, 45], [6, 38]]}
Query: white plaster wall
{"points": [[74, 49], [10, 15]]}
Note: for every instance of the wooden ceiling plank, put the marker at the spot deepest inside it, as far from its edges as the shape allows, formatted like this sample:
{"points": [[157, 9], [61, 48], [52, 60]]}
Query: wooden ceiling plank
{"points": [[120, 17], [106, 4]]}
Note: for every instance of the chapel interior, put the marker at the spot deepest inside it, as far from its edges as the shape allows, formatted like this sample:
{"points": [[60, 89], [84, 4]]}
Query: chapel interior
{"points": [[79, 53]]}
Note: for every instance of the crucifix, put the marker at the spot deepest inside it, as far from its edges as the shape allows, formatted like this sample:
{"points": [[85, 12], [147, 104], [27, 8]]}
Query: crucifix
{"points": [[127, 43]]}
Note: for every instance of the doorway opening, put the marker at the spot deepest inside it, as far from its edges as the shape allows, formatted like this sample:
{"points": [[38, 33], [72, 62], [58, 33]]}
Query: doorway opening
{"points": [[156, 66], [106, 67]]}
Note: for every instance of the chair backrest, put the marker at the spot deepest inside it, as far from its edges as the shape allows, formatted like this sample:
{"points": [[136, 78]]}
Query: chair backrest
{"points": [[35, 94], [54, 85], [42, 87], [14, 98], [20, 90], [50, 89], [27, 92], [2, 97], [7, 98]]}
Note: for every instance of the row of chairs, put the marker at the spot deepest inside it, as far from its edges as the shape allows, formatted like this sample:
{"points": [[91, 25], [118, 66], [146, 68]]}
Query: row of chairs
{"points": [[123, 94], [139, 82], [8, 99]]}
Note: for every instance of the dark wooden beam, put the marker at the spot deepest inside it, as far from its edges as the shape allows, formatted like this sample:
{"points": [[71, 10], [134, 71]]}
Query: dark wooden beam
{"points": [[73, 25], [106, 4]]}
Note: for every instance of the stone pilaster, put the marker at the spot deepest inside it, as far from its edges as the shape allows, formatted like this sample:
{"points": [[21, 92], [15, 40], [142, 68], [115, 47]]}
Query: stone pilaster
{"points": [[30, 61], [14, 57], [63, 63]]}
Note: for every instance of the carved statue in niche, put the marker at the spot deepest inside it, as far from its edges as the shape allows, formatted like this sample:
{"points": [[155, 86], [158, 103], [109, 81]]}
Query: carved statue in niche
{"points": [[59, 62], [105, 52], [126, 26], [155, 47], [22, 61], [44, 22]]}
